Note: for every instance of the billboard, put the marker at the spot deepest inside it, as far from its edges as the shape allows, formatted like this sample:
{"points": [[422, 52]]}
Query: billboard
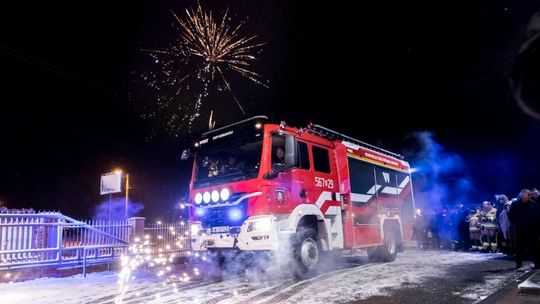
{"points": [[110, 183]]}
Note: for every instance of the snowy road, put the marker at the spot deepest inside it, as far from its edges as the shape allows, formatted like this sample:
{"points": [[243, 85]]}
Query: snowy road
{"points": [[454, 276]]}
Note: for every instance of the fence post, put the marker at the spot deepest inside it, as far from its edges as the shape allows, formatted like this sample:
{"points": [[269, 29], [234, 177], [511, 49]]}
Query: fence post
{"points": [[60, 232], [84, 261], [136, 228]]}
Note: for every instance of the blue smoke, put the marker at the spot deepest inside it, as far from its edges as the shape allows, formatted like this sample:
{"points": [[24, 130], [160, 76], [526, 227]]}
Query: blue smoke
{"points": [[440, 176], [117, 209]]}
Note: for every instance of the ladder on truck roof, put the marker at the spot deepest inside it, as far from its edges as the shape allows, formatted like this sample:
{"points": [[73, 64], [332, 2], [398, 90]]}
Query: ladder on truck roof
{"points": [[331, 134]]}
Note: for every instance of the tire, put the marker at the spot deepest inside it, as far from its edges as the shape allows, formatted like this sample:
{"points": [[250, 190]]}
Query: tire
{"points": [[374, 254], [209, 264], [389, 250], [307, 252]]}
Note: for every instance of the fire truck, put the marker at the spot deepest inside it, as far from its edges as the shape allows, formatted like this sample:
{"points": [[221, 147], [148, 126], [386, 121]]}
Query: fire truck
{"points": [[258, 186]]}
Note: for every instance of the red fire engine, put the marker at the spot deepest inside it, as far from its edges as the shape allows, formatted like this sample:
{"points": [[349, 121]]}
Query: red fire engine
{"points": [[257, 186]]}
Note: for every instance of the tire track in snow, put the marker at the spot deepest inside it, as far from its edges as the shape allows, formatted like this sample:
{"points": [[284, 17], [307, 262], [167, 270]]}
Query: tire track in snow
{"points": [[228, 295], [272, 291], [136, 293], [151, 293], [304, 284]]}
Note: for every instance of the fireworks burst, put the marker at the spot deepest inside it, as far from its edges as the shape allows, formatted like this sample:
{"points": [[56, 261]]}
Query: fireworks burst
{"points": [[206, 51]]}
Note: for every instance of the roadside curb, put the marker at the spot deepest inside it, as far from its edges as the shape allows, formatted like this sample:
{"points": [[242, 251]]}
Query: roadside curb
{"points": [[532, 284], [511, 293]]}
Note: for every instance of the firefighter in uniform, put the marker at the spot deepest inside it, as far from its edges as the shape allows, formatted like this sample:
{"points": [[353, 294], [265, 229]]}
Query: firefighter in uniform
{"points": [[474, 229], [488, 226]]}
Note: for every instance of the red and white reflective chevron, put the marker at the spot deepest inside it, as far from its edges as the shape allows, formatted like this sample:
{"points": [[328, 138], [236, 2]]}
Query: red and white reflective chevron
{"points": [[329, 202]]}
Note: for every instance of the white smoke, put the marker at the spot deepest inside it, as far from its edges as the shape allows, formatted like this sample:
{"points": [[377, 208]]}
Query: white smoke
{"points": [[117, 209], [440, 175]]}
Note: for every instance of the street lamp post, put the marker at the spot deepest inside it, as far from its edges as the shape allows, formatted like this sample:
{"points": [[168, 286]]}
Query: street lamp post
{"points": [[121, 172], [110, 211], [126, 189], [127, 197]]}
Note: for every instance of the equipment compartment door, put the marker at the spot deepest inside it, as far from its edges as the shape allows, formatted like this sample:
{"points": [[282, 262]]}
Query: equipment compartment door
{"points": [[364, 201]]}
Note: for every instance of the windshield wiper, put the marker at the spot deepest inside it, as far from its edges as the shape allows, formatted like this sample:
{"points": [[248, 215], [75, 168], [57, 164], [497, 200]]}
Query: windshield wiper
{"points": [[243, 177], [219, 178]]}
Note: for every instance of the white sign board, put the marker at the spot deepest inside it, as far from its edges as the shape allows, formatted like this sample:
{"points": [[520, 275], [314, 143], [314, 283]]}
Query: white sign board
{"points": [[110, 183]]}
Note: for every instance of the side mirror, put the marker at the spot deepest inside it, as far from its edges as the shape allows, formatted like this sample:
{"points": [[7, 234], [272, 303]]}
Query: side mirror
{"points": [[185, 154], [290, 158], [291, 153]]}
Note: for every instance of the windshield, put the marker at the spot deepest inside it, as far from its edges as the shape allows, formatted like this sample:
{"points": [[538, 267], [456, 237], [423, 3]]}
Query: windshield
{"points": [[227, 162]]}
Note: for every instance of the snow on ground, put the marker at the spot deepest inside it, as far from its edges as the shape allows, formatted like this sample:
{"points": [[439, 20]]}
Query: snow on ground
{"points": [[478, 292], [411, 268], [493, 281], [352, 281]]}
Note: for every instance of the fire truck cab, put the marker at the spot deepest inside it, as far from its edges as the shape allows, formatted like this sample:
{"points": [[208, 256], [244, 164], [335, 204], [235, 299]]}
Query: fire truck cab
{"points": [[266, 187]]}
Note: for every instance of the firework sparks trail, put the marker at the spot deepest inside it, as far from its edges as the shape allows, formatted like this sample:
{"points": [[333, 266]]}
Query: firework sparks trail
{"points": [[207, 50]]}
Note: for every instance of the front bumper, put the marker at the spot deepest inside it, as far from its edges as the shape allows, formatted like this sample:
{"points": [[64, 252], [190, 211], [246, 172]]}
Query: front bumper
{"points": [[248, 238]]}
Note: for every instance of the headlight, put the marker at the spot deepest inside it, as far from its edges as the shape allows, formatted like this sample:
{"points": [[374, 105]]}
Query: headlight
{"points": [[235, 214], [215, 196], [262, 224], [206, 197], [225, 194], [198, 198], [195, 228], [199, 212]]}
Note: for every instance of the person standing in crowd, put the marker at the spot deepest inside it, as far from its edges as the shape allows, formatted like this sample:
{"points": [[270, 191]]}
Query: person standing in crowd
{"points": [[488, 226], [534, 195], [505, 229], [500, 205], [420, 227], [524, 217], [461, 228], [444, 227], [433, 230], [474, 229]]}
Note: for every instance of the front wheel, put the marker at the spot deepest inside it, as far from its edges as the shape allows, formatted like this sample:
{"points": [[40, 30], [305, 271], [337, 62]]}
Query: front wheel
{"points": [[209, 264], [307, 252]]}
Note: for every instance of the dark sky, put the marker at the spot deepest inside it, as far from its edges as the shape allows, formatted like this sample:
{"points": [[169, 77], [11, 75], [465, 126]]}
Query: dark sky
{"points": [[71, 93]]}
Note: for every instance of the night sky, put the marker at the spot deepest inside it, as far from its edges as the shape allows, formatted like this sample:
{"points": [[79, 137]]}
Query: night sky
{"points": [[71, 93]]}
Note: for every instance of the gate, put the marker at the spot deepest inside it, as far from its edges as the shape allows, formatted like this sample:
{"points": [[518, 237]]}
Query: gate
{"points": [[53, 239]]}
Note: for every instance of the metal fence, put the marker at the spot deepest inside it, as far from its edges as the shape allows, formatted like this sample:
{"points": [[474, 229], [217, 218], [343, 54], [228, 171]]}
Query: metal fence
{"points": [[53, 239], [168, 237], [56, 240], [77, 235]]}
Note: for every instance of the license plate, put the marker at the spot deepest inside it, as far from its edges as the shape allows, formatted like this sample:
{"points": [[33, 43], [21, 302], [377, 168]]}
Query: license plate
{"points": [[221, 229]]}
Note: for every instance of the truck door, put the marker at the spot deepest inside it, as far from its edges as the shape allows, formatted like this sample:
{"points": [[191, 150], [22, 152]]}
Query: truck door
{"points": [[324, 193], [291, 184]]}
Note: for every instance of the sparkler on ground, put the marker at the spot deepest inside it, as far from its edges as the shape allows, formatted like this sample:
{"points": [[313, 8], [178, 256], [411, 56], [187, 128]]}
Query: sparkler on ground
{"points": [[142, 254], [206, 52]]}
